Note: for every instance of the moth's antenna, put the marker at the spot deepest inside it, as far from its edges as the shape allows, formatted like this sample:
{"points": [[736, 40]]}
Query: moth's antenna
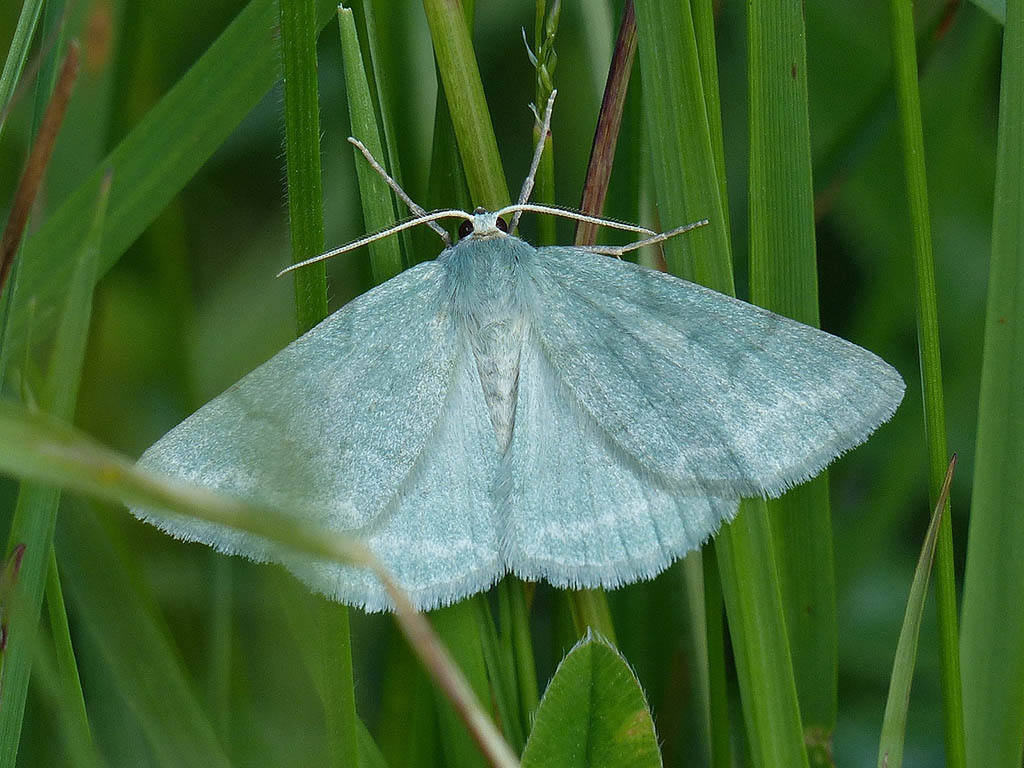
{"points": [[524, 194], [618, 250], [572, 213], [416, 209], [415, 221]]}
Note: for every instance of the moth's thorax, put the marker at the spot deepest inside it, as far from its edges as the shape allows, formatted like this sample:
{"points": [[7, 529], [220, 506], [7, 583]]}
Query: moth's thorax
{"points": [[485, 274]]}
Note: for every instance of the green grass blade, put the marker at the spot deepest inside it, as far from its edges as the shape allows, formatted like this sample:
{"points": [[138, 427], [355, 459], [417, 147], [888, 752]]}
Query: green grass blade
{"points": [[522, 650], [688, 189], [458, 626], [500, 665], [717, 686], [378, 207], [136, 648], [993, 613], [593, 713], [704, 30], [464, 90], [406, 697], [156, 159], [35, 515], [908, 99], [894, 724], [302, 152], [315, 629], [995, 8], [685, 175], [67, 666], [299, 28], [784, 279], [17, 54]]}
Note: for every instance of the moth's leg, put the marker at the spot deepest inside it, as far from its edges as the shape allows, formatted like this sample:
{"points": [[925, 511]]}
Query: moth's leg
{"points": [[618, 250], [414, 207]]}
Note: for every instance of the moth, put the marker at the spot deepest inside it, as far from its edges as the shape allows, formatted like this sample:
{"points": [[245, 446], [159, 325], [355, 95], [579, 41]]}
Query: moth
{"points": [[550, 412]]}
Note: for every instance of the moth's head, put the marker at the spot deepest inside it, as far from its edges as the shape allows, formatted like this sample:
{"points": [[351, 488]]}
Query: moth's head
{"points": [[483, 225]]}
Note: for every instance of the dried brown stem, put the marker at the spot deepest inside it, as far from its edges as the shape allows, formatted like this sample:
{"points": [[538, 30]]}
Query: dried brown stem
{"points": [[599, 169], [38, 159]]}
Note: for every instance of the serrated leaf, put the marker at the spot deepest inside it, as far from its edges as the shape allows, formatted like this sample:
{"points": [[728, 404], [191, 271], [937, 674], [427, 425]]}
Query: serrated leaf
{"points": [[593, 713]]}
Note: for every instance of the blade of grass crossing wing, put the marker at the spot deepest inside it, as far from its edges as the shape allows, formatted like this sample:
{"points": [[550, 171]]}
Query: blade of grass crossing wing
{"points": [[909, 103], [993, 613], [378, 207], [784, 279], [35, 513], [894, 724], [37, 447]]}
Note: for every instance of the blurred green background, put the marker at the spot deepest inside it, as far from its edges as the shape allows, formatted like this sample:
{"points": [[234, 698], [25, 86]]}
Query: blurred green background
{"points": [[194, 305]]}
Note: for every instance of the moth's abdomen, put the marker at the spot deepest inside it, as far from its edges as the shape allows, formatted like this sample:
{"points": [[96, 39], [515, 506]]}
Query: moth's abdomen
{"points": [[487, 302], [497, 345]]}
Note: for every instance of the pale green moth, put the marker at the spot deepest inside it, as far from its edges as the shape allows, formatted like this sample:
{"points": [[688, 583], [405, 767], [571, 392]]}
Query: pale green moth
{"points": [[549, 412]]}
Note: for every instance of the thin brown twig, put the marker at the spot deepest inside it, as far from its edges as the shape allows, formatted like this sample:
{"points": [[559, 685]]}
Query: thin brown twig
{"points": [[602, 152], [38, 159]]}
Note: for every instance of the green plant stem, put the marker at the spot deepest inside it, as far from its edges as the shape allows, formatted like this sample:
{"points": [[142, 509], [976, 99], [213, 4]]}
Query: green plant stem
{"points": [[908, 99], [522, 649]]}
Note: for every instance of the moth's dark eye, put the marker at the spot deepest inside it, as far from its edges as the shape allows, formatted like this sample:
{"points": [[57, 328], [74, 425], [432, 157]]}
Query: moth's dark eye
{"points": [[502, 225], [465, 229]]}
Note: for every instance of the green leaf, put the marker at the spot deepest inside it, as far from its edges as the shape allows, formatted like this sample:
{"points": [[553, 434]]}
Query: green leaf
{"points": [[894, 724], [592, 714], [993, 613]]}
